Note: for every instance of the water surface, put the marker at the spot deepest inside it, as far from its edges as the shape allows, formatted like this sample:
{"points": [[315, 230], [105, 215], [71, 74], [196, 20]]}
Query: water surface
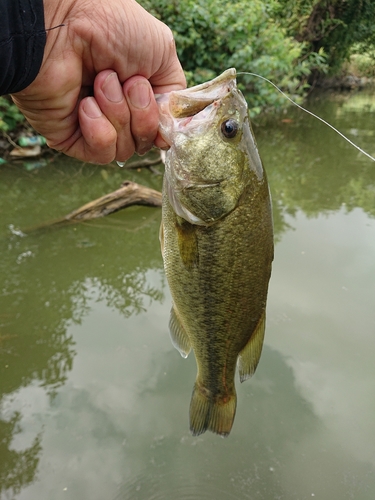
{"points": [[93, 397]]}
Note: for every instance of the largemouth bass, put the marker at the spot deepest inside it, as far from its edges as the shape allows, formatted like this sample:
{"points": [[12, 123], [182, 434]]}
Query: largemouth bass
{"points": [[216, 240]]}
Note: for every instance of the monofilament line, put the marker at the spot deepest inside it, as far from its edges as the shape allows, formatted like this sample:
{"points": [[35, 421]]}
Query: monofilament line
{"points": [[309, 112]]}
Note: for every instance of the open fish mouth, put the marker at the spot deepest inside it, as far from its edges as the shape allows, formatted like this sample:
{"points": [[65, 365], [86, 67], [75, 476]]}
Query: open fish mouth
{"points": [[189, 102], [178, 107]]}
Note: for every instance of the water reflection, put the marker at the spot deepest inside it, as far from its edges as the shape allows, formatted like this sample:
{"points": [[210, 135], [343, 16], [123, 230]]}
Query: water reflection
{"points": [[310, 168], [48, 281], [17, 468], [93, 397]]}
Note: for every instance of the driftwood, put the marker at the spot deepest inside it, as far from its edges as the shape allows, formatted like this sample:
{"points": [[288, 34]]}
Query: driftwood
{"points": [[130, 193]]}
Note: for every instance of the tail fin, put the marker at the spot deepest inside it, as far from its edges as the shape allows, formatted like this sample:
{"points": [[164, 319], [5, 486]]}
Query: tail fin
{"points": [[213, 415]]}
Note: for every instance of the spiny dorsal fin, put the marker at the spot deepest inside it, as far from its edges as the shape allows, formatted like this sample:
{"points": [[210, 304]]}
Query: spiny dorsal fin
{"points": [[248, 358], [179, 337]]}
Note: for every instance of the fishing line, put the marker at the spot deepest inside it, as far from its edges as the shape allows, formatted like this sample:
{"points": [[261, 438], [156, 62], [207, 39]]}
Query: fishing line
{"points": [[309, 112]]}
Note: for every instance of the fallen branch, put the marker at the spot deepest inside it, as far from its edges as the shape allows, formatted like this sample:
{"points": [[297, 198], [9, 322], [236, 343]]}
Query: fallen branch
{"points": [[130, 193]]}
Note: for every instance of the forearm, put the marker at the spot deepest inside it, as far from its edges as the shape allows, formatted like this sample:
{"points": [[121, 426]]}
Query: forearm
{"points": [[22, 42]]}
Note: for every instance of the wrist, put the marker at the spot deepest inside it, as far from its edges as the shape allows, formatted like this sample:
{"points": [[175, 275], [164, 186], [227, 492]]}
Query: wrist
{"points": [[56, 14]]}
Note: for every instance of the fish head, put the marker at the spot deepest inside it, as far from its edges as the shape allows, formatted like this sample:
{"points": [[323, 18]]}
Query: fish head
{"points": [[212, 156]]}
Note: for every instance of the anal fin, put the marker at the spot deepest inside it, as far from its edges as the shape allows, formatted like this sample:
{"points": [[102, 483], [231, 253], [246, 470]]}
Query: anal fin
{"points": [[248, 358], [179, 337]]}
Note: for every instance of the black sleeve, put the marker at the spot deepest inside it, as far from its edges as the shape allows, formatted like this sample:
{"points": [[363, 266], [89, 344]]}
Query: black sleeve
{"points": [[22, 41]]}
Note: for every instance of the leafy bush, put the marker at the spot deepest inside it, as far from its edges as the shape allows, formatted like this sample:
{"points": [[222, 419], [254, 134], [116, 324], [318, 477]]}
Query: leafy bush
{"points": [[10, 116], [361, 64], [334, 26], [213, 35]]}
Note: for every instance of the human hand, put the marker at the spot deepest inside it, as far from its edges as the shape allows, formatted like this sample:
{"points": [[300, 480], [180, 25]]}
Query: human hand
{"points": [[77, 103]]}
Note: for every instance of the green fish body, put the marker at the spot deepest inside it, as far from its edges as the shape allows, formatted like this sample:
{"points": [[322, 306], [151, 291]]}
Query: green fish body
{"points": [[217, 242]]}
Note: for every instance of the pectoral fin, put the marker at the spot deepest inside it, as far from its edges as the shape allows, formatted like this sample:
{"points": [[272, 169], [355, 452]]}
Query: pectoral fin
{"points": [[187, 243], [248, 358], [179, 337]]}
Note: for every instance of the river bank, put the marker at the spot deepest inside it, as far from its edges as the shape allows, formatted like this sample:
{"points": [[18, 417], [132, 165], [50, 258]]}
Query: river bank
{"points": [[23, 142]]}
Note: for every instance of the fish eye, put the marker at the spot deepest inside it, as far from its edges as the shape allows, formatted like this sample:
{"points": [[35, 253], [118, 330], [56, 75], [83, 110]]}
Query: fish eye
{"points": [[229, 128]]}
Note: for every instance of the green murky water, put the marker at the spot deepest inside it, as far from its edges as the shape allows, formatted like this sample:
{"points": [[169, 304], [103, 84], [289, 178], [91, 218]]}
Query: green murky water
{"points": [[94, 399]]}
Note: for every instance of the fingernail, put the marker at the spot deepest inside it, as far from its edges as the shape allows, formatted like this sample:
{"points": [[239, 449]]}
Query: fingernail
{"points": [[139, 95], [91, 109], [112, 88]]}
